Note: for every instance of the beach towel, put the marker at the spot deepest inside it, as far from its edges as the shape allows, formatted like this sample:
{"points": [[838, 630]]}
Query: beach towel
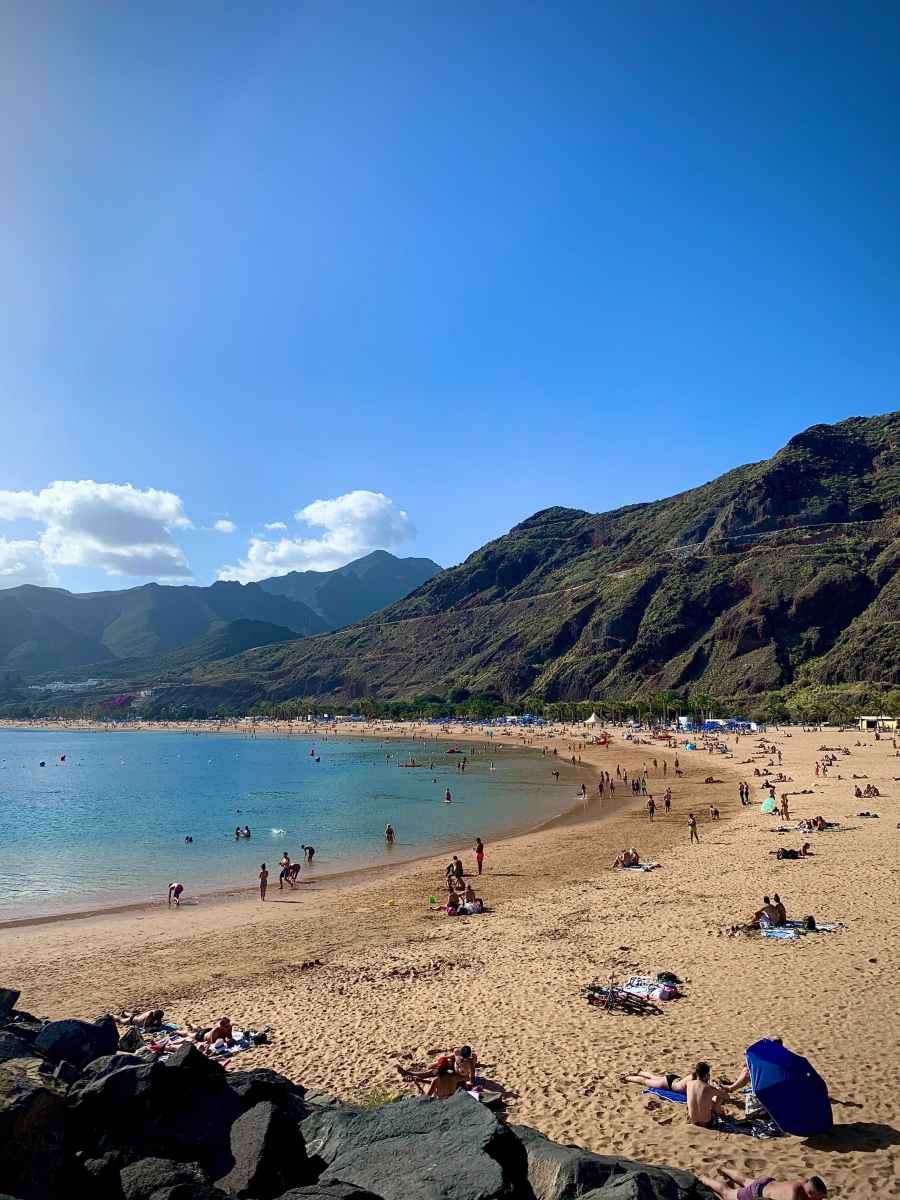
{"points": [[642, 867], [652, 989], [791, 935], [665, 1094], [821, 927]]}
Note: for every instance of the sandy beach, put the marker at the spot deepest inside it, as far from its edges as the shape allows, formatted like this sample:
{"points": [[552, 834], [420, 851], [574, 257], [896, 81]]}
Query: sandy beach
{"points": [[393, 981]]}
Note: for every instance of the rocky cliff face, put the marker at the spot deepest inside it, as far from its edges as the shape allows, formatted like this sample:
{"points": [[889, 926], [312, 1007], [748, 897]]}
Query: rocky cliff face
{"points": [[731, 587]]}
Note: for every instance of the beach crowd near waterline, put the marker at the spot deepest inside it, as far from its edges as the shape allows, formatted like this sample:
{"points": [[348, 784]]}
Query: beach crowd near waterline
{"points": [[396, 978]]}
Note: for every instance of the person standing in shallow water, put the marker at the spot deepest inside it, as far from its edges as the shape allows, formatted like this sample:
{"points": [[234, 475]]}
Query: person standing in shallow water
{"points": [[263, 881], [389, 835]]}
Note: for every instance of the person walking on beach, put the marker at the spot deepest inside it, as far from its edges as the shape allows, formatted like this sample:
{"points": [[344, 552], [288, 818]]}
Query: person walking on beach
{"points": [[651, 807], [479, 853], [667, 801], [263, 881], [284, 872], [692, 826]]}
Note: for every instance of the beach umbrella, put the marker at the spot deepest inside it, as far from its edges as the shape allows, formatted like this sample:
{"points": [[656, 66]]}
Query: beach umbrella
{"points": [[790, 1088]]}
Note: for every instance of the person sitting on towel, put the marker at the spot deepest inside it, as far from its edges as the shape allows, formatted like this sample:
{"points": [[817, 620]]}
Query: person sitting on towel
{"points": [[221, 1030]]}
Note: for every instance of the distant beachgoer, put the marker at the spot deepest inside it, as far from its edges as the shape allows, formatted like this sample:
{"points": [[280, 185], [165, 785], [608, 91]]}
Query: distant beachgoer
{"points": [[448, 799], [445, 1084], [293, 872], [733, 1186], [263, 881], [667, 801], [466, 1063], [237, 833], [188, 840], [651, 807], [458, 867], [175, 890], [479, 854], [284, 871], [389, 835], [309, 853], [247, 832], [555, 775], [692, 826]]}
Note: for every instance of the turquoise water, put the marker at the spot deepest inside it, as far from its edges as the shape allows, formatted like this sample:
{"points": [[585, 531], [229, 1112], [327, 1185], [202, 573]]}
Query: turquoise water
{"points": [[107, 825]]}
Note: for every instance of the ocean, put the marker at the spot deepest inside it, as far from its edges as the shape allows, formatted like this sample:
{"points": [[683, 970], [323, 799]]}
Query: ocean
{"points": [[103, 822]]}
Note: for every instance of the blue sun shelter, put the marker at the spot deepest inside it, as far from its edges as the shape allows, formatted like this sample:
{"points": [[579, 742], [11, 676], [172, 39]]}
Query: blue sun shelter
{"points": [[790, 1088]]}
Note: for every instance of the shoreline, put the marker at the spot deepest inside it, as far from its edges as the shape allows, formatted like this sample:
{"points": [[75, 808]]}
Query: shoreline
{"points": [[577, 813]]}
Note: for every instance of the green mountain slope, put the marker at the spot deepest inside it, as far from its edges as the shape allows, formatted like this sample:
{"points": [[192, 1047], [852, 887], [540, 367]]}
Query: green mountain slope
{"points": [[776, 568], [352, 592], [54, 629]]}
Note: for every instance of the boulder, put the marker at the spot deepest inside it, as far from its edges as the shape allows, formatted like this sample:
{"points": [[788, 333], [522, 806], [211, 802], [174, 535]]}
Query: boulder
{"points": [[190, 1191], [331, 1191], [252, 1087], [269, 1155], [99, 1068], [65, 1072], [32, 1116], [188, 1059], [159, 1110], [449, 1150], [9, 998], [78, 1041], [12, 1046], [141, 1179], [558, 1172], [21, 1025]]}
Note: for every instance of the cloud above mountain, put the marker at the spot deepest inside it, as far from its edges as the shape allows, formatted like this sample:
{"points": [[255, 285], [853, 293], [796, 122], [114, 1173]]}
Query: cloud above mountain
{"points": [[354, 524], [118, 528]]}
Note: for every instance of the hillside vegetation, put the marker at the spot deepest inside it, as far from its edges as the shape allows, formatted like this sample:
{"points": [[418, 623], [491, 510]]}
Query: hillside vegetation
{"points": [[775, 573]]}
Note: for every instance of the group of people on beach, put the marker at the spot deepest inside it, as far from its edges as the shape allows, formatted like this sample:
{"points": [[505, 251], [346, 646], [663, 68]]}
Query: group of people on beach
{"points": [[288, 871]]}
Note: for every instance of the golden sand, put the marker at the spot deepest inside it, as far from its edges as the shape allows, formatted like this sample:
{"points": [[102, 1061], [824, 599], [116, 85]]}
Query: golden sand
{"points": [[398, 982]]}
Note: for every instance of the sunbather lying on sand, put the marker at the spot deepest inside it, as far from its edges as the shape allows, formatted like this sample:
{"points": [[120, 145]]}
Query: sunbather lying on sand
{"points": [[741, 1187], [670, 1081], [151, 1018]]}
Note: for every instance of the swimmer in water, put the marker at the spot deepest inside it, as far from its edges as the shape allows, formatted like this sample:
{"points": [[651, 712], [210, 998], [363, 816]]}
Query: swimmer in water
{"points": [[448, 799]]}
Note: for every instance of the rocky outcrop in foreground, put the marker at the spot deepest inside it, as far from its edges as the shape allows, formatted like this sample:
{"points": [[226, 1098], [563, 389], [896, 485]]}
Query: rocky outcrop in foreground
{"points": [[80, 1118]]}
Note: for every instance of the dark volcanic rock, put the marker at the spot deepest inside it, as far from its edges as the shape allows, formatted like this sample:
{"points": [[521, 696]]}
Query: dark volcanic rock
{"points": [[190, 1191], [269, 1155], [32, 1114], [9, 998], [262, 1084], [452, 1150], [557, 1172], [329, 1191], [141, 1179], [22, 1025], [78, 1041], [100, 1067], [12, 1046]]}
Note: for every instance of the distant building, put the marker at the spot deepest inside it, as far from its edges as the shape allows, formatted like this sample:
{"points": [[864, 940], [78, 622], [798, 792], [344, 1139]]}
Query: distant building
{"points": [[880, 724]]}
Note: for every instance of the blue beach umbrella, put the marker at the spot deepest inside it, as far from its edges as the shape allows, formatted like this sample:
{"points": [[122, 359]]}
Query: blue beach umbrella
{"points": [[790, 1088]]}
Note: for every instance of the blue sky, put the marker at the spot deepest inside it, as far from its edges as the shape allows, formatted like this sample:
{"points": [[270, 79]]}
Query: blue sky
{"points": [[472, 258]]}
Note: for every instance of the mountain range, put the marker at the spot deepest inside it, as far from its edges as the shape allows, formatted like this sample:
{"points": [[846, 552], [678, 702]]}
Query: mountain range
{"points": [[53, 630], [780, 570]]}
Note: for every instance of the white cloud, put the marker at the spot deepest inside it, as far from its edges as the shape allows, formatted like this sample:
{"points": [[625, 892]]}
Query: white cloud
{"points": [[354, 525], [114, 526], [23, 562], [275, 527], [223, 525]]}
